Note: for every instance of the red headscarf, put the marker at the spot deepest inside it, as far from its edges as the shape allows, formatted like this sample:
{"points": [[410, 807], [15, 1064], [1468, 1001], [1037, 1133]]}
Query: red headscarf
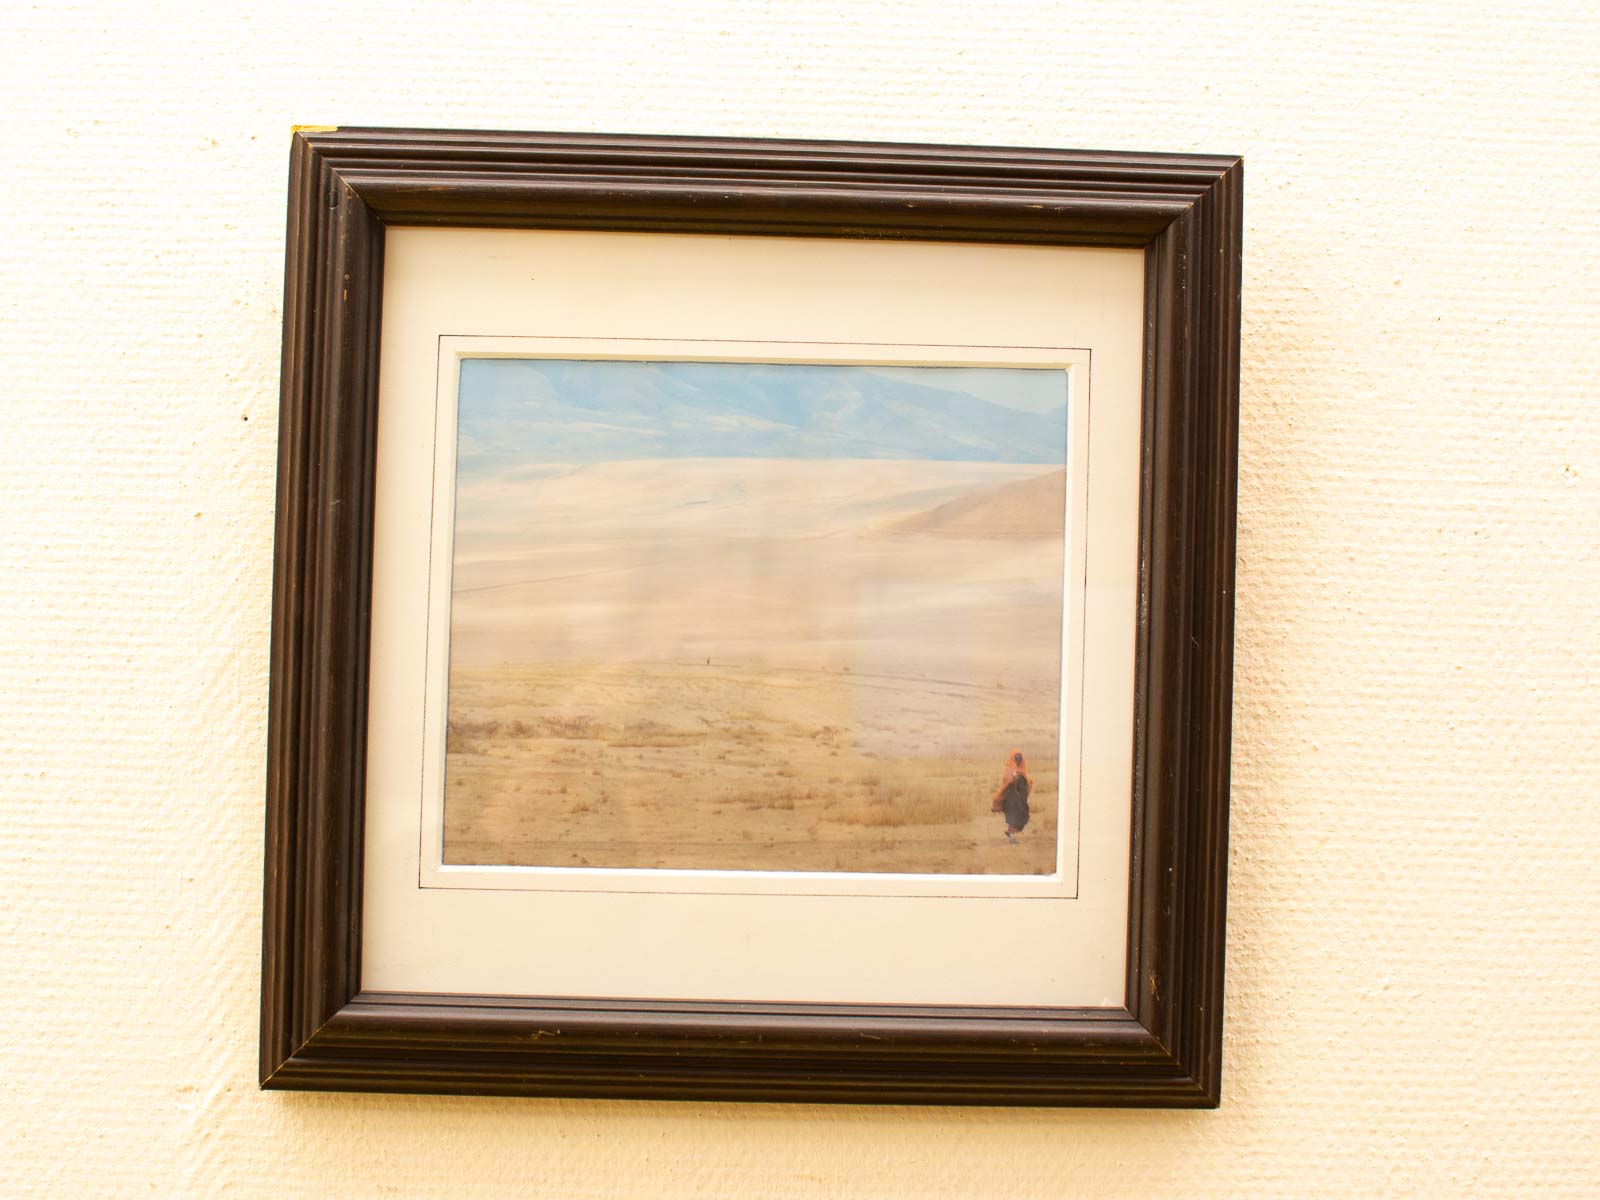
{"points": [[1016, 765]]}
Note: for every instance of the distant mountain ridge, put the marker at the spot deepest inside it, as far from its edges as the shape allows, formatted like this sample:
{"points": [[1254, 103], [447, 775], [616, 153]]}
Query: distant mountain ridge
{"points": [[558, 410]]}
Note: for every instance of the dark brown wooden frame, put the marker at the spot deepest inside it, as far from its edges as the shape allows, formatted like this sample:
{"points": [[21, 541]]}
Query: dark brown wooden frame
{"points": [[319, 1030]]}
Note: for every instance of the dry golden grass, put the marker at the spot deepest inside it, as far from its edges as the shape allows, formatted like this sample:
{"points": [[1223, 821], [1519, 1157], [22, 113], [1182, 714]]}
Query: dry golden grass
{"points": [[774, 787]]}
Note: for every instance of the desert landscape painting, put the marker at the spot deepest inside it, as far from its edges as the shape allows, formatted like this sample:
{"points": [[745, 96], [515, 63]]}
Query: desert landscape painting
{"points": [[754, 616]]}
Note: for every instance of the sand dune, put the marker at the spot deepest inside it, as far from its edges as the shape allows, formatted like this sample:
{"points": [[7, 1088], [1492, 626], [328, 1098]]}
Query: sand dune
{"points": [[742, 659], [1023, 508]]}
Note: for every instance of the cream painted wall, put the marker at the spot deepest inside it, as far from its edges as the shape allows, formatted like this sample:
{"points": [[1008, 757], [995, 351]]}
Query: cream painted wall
{"points": [[1413, 963]]}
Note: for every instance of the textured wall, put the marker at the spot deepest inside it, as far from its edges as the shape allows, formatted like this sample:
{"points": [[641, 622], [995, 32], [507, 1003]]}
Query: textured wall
{"points": [[1413, 959]]}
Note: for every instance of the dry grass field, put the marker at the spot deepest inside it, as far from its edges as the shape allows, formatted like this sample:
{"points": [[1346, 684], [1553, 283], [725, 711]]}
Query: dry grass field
{"points": [[761, 665]]}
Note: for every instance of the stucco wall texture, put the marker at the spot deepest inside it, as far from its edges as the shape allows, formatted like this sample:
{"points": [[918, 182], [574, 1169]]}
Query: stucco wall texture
{"points": [[1413, 964]]}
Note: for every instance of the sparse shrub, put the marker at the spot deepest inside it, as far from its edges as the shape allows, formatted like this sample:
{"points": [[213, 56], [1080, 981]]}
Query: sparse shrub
{"points": [[908, 805], [566, 726]]}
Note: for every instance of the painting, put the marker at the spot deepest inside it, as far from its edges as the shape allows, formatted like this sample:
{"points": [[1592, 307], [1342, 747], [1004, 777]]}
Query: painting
{"points": [[756, 616]]}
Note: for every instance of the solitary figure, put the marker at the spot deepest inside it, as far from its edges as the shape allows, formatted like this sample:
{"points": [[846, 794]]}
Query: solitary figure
{"points": [[1011, 798]]}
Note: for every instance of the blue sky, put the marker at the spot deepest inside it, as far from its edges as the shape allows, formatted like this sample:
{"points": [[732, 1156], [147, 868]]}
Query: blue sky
{"points": [[572, 410]]}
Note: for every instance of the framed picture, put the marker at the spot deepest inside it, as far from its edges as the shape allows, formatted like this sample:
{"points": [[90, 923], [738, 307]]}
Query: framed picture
{"points": [[752, 619]]}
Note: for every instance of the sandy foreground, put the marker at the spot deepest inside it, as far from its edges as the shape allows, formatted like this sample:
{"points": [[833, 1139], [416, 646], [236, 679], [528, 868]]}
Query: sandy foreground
{"points": [[754, 664]]}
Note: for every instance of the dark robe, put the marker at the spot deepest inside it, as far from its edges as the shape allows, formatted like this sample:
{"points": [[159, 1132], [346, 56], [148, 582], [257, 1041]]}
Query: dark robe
{"points": [[1014, 802]]}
